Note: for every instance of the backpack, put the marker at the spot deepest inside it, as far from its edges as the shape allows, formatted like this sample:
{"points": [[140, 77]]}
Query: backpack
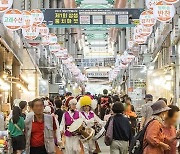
{"points": [[136, 146], [104, 102]]}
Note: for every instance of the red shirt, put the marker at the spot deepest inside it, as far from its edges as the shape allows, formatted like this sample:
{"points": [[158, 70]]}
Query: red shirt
{"points": [[37, 133]]}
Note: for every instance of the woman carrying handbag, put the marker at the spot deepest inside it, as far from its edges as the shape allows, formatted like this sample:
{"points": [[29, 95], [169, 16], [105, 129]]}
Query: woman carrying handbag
{"points": [[16, 131]]}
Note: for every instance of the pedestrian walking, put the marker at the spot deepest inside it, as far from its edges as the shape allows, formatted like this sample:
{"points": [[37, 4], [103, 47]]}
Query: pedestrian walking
{"points": [[16, 131], [121, 132], [104, 103], [169, 127], [92, 121], [131, 115], [72, 145], [23, 107], [40, 130], [146, 111], [58, 111], [155, 140]]}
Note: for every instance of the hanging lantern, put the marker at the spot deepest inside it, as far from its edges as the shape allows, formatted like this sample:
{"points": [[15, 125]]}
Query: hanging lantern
{"points": [[54, 47], [52, 38], [12, 19], [139, 39], [43, 29], [151, 3], [147, 18], [45, 40], [164, 12], [30, 33], [27, 19], [38, 16], [142, 30], [171, 1], [130, 44], [36, 42], [5, 5]]}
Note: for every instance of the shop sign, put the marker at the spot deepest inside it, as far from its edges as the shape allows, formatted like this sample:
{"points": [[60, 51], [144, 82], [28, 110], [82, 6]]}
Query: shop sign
{"points": [[164, 12], [43, 29], [139, 39], [54, 47], [12, 19], [52, 38], [38, 16], [151, 3], [171, 1], [142, 30], [45, 40], [147, 18], [30, 33], [36, 42], [5, 5], [27, 19]]}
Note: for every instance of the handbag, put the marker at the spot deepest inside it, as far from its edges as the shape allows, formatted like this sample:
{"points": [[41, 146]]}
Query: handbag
{"points": [[109, 133]]}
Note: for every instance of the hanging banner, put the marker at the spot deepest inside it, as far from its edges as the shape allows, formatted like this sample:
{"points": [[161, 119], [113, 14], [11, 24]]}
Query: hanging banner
{"points": [[130, 44], [27, 19], [54, 47], [12, 19], [164, 12], [151, 3], [30, 33], [142, 30], [5, 5], [139, 39], [147, 18], [38, 16], [45, 40], [43, 29], [171, 1], [36, 42], [52, 38]]}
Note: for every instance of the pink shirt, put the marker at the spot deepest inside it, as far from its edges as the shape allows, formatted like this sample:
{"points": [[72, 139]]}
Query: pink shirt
{"points": [[170, 133]]}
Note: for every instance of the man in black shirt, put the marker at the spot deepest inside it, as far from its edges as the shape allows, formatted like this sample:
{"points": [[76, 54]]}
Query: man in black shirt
{"points": [[58, 111], [121, 130]]}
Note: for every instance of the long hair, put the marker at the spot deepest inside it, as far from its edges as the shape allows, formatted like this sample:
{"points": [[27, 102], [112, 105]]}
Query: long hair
{"points": [[16, 113]]}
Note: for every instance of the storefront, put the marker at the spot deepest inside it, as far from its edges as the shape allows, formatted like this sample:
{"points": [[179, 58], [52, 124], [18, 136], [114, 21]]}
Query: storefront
{"points": [[160, 83]]}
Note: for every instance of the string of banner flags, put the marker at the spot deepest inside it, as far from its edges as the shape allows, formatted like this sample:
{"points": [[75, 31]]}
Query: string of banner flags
{"points": [[157, 10], [33, 27]]}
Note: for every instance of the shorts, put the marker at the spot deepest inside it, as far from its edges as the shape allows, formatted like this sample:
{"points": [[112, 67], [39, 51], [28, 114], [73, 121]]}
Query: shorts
{"points": [[18, 142]]}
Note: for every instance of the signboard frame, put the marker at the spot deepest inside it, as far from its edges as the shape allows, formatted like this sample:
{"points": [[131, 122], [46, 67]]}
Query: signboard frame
{"points": [[71, 18]]}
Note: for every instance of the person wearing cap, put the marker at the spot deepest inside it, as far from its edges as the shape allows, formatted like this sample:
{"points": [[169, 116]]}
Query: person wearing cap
{"points": [[146, 111], [87, 105], [155, 140], [72, 145]]}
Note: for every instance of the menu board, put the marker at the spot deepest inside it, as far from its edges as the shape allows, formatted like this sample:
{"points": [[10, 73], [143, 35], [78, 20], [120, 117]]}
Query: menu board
{"points": [[80, 17]]}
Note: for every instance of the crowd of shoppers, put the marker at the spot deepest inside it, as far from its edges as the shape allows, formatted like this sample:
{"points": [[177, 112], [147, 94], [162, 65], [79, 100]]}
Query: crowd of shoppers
{"points": [[41, 126]]}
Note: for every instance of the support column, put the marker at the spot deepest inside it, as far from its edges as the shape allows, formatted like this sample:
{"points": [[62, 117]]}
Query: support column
{"points": [[46, 4], [15, 73], [123, 42], [17, 4]]}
